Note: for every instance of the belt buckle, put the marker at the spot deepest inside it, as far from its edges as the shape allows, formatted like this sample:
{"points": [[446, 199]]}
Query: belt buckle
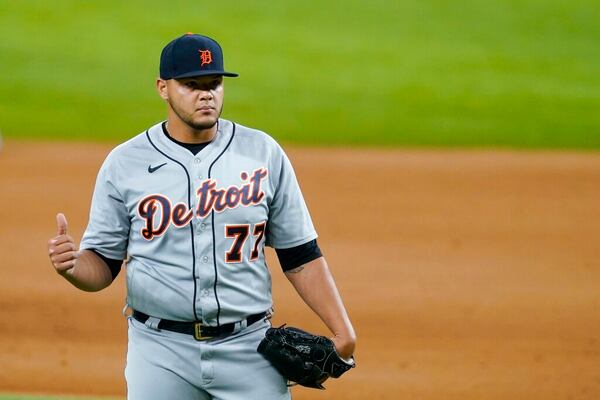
{"points": [[198, 332]]}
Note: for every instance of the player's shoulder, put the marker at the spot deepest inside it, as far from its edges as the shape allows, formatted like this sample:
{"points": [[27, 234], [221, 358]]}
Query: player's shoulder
{"points": [[124, 151], [245, 133], [255, 141]]}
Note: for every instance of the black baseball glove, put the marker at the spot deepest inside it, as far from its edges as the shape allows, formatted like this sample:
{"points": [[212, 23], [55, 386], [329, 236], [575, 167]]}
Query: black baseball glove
{"points": [[301, 357]]}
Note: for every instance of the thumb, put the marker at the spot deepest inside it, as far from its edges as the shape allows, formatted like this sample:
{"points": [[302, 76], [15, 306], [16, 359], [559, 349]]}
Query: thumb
{"points": [[61, 222]]}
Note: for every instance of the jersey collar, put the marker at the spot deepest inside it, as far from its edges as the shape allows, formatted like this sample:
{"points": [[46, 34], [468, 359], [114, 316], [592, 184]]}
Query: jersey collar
{"points": [[209, 153]]}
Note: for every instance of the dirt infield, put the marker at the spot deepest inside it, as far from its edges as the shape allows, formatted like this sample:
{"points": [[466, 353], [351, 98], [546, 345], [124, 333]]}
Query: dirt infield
{"points": [[468, 275]]}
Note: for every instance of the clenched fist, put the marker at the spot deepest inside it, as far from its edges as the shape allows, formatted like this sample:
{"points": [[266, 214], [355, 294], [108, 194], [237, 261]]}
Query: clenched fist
{"points": [[61, 249]]}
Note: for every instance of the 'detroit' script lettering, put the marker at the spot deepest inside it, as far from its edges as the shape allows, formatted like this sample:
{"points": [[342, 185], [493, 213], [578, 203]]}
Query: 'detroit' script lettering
{"points": [[158, 211]]}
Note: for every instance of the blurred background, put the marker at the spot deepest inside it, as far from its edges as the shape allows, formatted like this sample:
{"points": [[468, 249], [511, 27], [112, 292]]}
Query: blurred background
{"points": [[509, 73]]}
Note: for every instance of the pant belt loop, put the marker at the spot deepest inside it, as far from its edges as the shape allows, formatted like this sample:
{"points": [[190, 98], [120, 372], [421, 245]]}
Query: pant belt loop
{"points": [[240, 326], [124, 312], [152, 323]]}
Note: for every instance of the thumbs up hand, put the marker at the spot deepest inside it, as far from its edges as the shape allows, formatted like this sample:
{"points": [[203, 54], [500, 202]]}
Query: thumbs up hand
{"points": [[61, 222], [61, 249]]}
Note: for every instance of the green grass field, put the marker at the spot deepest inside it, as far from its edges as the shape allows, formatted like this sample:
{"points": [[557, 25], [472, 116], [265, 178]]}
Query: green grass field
{"points": [[507, 73]]}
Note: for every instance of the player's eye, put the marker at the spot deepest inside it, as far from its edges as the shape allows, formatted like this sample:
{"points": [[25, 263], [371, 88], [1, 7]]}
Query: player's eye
{"points": [[210, 85]]}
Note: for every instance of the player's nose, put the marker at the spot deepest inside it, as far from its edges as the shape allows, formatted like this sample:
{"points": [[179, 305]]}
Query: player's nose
{"points": [[205, 94]]}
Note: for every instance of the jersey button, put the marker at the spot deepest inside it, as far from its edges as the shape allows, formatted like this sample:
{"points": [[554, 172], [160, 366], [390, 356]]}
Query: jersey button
{"points": [[197, 161], [202, 227], [204, 259]]}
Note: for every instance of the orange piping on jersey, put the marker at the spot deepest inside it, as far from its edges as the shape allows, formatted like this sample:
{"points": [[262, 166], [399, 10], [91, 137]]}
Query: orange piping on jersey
{"points": [[181, 215], [147, 209]]}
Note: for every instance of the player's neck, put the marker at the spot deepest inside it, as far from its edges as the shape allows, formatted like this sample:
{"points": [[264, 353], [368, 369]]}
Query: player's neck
{"points": [[184, 133]]}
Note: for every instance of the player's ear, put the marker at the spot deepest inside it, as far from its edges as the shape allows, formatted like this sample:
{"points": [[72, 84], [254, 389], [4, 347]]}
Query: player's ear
{"points": [[161, 87]]}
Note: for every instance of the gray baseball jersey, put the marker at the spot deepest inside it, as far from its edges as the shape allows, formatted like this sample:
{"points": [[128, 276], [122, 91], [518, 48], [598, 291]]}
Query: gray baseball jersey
{"points": [[193, 228]]}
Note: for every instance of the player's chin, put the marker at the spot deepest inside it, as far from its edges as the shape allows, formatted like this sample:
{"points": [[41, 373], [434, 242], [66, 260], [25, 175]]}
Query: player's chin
{"points": [[205, 122]]}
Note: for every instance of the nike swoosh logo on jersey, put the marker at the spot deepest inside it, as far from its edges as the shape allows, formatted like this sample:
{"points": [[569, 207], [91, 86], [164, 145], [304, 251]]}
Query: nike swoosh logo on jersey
{"points": [[152, 169]]}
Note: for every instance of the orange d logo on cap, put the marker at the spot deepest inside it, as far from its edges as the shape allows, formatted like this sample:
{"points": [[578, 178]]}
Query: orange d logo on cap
{"points": [[205, 57]]}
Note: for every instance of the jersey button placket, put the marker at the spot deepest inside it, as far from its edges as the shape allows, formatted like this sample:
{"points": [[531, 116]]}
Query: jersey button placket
{"points": [[205, 275]]}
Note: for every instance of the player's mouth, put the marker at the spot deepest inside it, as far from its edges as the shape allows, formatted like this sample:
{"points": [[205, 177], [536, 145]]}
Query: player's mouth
{"points": [[205, 109]]}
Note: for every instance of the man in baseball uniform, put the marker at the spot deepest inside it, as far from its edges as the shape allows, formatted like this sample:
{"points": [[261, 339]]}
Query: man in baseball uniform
{"points": [[190, 204]]}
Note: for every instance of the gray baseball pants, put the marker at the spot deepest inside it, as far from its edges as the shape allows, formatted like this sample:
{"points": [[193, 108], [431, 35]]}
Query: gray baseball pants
{"points": [[164, 365]]}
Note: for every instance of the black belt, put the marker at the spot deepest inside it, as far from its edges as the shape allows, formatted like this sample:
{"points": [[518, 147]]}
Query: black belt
{"points": [[197, 329]]}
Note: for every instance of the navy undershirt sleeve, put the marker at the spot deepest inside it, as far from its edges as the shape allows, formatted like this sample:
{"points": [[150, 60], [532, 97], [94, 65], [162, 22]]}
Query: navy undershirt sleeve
{"points": [[296, 256], [113, 265], [291, 258]]}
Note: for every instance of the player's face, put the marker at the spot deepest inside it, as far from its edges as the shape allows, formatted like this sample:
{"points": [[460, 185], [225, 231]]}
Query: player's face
{"points": [[196, 101]]}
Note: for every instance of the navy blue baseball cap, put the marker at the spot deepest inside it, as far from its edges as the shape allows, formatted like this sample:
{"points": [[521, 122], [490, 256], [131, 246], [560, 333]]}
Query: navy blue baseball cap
{"points": [[192, 55]]}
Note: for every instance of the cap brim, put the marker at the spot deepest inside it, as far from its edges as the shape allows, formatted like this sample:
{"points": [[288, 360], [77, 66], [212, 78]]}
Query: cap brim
{"points": [[204, 73]]}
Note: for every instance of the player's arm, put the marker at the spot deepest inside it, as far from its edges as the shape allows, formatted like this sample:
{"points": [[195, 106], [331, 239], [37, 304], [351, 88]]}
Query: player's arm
{"points": [[315, 285], [84, 269], [304, 265]]}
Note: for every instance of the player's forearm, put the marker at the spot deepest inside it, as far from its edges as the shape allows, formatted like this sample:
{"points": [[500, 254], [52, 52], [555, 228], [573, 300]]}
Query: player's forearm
{"points": [[314, 283], [84, 269], [90, 272]]}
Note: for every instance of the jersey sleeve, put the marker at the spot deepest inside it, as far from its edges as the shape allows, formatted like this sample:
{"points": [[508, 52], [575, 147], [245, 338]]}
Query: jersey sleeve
{"points": [[108, 227], [289, 223]]}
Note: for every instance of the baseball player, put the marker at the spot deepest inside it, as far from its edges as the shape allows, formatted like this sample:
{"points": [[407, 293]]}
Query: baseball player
{"points": [[190, 204]]}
